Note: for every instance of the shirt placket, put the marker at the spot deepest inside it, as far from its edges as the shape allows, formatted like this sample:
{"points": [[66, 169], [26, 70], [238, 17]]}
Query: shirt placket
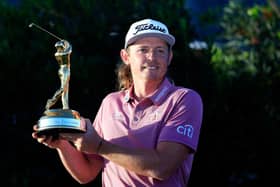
{"points": [[137, 114]]}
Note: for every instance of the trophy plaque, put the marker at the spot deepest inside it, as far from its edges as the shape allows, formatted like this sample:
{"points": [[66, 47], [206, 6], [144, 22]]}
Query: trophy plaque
{"points": [[55, 121]]}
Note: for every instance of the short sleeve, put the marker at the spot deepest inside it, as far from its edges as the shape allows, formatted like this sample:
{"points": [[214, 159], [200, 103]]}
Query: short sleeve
{"points": [[184, 122]]}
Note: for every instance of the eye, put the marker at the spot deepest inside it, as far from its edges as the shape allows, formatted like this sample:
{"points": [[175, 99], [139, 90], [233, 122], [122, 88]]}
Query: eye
{"points": [[142, 50], [161, 51]]}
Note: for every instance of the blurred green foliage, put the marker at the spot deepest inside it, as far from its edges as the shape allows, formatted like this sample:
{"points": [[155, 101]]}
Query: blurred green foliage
{"points": [[245, 58], [250, 41], [249, 49]]}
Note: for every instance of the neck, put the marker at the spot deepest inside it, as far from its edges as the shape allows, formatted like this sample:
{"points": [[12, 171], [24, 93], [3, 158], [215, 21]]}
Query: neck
{"points": [[144, 90]]}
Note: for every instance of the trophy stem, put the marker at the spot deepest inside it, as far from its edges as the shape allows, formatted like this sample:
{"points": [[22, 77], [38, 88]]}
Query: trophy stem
{"points": [[55, 121]]}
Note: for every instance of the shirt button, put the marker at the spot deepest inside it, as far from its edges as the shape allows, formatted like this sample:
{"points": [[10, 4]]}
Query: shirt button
{"points": [[135, 119]]}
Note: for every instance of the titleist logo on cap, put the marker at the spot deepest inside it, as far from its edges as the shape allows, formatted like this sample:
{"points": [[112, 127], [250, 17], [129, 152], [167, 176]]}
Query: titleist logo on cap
{"points": [[148, 28], [144, 27]]}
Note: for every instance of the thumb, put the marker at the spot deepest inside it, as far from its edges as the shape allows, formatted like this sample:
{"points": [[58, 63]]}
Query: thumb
{"points": [[86, 124]]}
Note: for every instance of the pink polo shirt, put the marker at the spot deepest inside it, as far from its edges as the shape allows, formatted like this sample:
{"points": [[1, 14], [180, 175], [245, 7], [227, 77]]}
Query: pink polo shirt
{"points": [[171, 114]]}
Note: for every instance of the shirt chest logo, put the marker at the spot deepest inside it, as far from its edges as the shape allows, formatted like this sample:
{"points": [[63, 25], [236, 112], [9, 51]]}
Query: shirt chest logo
{"points": [[117, 115], [154, 116]]}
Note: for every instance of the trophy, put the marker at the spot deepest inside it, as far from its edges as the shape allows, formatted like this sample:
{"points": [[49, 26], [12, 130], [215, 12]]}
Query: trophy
{"points": [[62, 119]]}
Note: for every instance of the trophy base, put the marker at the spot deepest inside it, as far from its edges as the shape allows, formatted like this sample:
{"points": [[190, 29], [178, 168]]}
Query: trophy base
{"points": [[57, 121]]}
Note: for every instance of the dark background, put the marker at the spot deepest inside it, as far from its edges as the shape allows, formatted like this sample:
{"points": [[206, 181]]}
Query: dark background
{"points": [[239, 136]]}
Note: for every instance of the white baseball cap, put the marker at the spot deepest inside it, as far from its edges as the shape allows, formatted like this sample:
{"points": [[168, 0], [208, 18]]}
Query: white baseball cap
{"points": [[148, 28]]}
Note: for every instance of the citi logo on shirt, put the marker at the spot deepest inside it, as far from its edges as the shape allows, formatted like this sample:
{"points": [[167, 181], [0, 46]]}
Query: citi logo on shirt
{"points": [[186, 130]]}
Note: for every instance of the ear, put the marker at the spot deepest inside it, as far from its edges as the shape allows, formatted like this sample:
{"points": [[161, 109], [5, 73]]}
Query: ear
{"points": [[170, 57], [124, 56]]}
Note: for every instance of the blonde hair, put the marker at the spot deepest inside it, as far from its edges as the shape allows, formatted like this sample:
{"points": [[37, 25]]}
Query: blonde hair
{"points": [[124, 76]]}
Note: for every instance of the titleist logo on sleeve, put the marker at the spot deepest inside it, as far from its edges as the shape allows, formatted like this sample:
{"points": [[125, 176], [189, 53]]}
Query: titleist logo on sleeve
{"points": [[144, 27]]}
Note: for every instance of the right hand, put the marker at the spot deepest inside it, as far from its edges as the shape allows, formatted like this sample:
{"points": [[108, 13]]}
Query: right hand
{"points": [[48, 141], [87, 142]]}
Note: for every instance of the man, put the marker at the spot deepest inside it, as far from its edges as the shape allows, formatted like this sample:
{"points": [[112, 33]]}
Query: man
{"points": [[147, 133]]}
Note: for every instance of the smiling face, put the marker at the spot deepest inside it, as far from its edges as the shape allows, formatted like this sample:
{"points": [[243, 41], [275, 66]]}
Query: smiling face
{"points": [[148, 59]]}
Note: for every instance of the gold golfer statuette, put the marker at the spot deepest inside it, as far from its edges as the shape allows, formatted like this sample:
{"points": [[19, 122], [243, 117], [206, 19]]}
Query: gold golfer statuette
{"points": [[63, 119]]}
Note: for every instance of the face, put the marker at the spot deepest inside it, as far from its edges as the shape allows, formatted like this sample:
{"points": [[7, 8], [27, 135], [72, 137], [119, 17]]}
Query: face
{"points": [[148, 59]]}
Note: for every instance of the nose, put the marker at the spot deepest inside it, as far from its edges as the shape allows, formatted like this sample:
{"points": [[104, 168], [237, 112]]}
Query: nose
{"points": [[151, 55]]}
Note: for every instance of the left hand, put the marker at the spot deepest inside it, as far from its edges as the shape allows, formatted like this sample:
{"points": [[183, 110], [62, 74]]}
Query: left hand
{"points": [[85, 142]]}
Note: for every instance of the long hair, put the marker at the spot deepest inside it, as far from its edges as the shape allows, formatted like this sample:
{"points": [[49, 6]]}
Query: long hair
{"points": [[124, 76]]}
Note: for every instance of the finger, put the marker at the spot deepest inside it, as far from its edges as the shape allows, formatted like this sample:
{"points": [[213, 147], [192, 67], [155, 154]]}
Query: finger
{"points": [[67, 136], [34, 135], [88, 121], [41, 140], [37, 135], [83, 123], [88, 124], [35, 127], [64, 136], [45, 143], [45, 139]]}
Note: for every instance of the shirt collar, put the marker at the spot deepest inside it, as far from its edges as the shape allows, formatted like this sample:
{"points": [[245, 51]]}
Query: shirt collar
{"points": [[128, 95], [161, 93], [157, 97]]}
